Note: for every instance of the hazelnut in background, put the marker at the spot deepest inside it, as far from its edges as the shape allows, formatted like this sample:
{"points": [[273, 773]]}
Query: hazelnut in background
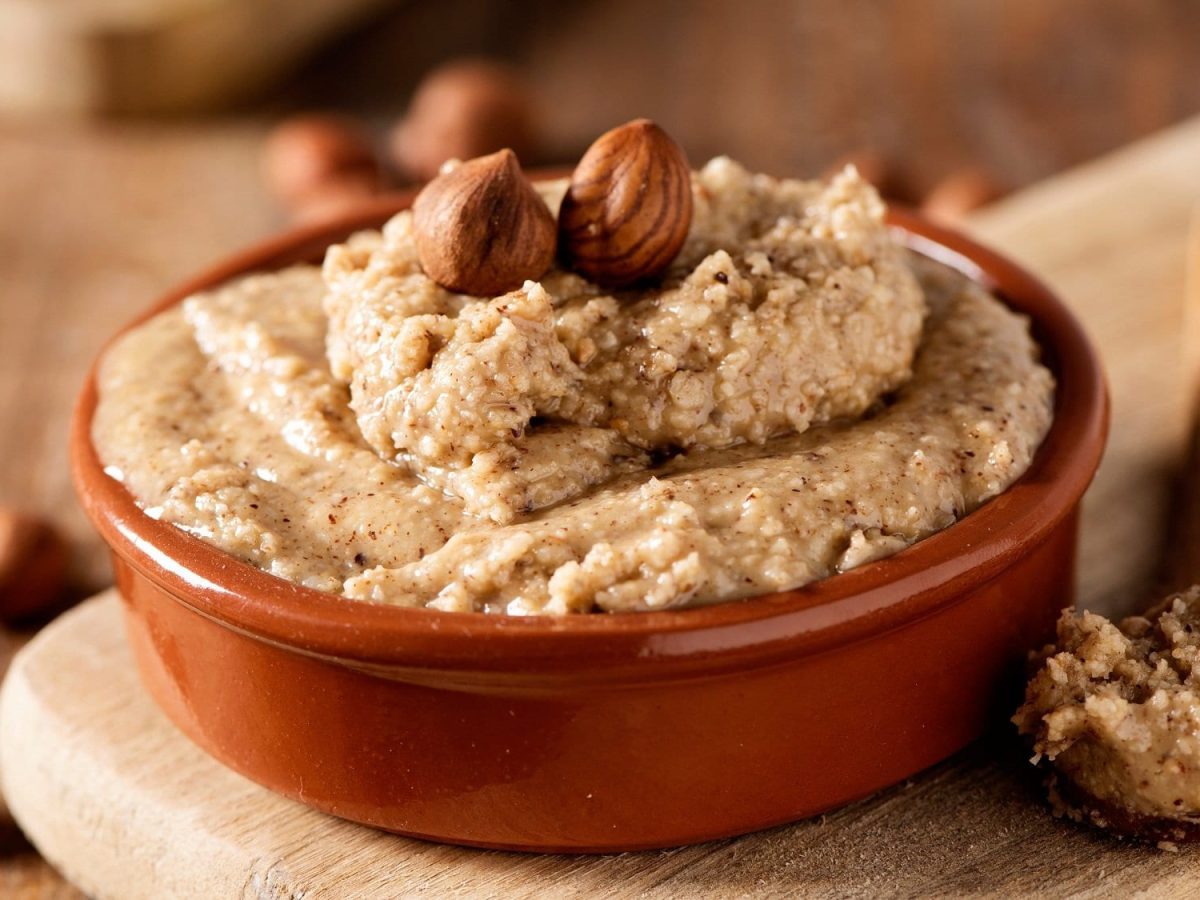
{"points": [[461, 110], [321, 162], [33, 565]]}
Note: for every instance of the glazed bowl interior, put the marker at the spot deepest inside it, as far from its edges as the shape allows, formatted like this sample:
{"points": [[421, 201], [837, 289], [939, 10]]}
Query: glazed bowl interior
{"points": [[845, 607]]}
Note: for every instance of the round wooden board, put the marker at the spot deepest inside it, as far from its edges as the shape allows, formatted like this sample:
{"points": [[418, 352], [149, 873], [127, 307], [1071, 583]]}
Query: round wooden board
{"points": [[125, 806]]}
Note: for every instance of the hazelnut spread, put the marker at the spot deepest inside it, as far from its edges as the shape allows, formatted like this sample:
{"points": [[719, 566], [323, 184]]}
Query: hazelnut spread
{"points": [[792, 396], [1115, 710], [737, 346]]}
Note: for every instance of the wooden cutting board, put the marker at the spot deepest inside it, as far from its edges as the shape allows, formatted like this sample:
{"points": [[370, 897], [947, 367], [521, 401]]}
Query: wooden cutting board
{"points": [[127, 807]]}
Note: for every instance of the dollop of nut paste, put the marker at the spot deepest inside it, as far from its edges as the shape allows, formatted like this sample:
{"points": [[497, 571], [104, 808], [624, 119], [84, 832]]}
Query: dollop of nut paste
{"points": [[797, 397], [789, 305], [1114, 709]]}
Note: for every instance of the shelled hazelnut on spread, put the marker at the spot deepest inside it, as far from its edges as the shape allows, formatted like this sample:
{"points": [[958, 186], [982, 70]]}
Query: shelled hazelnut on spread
{"points": [[628, 209], [481, 228]]}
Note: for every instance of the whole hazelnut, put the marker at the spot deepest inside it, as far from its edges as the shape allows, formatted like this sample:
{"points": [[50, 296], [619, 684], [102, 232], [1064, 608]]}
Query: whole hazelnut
{"points": [[628, 209], [462, 110], [33, 561], [481, 228], [301, 155]]}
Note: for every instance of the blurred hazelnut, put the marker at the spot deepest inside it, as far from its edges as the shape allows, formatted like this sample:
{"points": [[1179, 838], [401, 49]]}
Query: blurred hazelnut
{"points": [[336, 196], [33, 561], [462, 110], [959, 193], [303, 153]]}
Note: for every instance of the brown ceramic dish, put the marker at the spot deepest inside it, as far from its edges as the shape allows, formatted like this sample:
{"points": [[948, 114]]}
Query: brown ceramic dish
{"points": [[610, 732]]}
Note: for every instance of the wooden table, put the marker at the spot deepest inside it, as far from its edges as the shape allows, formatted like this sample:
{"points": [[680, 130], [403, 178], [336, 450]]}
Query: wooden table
{"points": [[95, 223]]}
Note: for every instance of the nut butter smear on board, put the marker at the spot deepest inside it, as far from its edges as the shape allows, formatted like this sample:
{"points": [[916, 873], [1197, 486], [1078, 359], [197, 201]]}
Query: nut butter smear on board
{"points": [[671, 388], [1113, 712]]}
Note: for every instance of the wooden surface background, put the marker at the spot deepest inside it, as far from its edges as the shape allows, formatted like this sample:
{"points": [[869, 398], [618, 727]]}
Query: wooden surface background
{"points": [[97, 218], [1024, 87]]}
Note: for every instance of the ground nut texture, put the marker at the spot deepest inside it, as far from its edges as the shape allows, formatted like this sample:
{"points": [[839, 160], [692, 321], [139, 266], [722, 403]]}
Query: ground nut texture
{"points": [[798, 398], [789, 305], [1115, 709]]}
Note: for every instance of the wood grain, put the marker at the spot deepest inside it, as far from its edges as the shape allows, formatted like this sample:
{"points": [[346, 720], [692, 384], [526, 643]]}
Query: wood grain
{"points": [[1182, 567], [1112, 237], [96, 222]]}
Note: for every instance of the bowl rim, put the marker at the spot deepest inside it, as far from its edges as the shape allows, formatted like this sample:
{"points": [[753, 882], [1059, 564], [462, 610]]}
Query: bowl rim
{"points": [[769, 628]]}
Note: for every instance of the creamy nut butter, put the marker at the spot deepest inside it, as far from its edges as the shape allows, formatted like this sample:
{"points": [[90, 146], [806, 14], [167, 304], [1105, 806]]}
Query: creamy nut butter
{"points": [[796, 396]]}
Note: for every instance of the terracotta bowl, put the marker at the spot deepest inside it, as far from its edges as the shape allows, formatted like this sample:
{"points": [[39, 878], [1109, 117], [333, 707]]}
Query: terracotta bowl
{"points": [[611, 732]]}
